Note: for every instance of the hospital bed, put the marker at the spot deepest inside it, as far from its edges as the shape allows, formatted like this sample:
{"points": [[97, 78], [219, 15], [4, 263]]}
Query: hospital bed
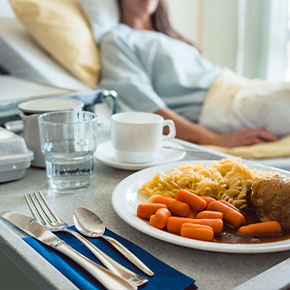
{"points": [[51, 80]]}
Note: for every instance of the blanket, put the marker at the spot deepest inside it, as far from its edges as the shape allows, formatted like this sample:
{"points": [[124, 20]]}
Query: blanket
{"points": [[234, 103], [276, 149]]}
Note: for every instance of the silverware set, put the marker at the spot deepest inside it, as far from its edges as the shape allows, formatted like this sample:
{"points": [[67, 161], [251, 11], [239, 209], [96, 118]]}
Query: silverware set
{"points": [[45, 222]]}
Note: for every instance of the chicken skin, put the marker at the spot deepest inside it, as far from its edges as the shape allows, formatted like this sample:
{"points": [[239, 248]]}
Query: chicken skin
{"points": [[270, 198]]}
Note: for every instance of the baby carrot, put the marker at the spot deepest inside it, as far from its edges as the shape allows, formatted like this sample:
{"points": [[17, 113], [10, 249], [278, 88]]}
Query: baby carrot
{"points": [[231, 216], [207, 199], [145, 210], [198, 232], [193, 200], [215, 224], [159, 220], [174, 224], [235, 218], [262, 228], [176, 207], [209, 214], [229, 204], [192, 214], [218, 206]]}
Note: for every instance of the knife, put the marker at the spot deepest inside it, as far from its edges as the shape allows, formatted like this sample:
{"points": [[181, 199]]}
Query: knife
{"points": [[39, 232]]}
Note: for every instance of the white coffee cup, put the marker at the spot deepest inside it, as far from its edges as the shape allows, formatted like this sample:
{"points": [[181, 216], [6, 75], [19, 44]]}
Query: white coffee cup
{"points": [[137, 136]]}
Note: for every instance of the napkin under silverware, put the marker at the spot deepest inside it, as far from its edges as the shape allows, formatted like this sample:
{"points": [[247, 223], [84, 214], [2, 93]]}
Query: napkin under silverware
{"points": [[165, 276]]}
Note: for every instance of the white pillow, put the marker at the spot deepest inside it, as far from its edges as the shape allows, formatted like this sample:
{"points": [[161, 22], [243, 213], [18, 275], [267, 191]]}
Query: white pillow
{"points": [[103, 15], [22, 57], [6, 9]]}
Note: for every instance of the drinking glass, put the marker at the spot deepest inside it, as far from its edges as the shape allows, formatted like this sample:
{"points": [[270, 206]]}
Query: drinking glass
{"points": [[68, 140]]}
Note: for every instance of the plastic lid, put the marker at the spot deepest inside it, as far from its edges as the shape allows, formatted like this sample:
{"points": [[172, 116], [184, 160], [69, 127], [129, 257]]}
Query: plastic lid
{"points": [[4, 135], [49, 105], [12, 149]]}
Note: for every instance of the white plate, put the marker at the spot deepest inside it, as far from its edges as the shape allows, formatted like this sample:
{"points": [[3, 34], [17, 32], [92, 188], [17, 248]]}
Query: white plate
{"points": [[125, 199], [105, 154]]}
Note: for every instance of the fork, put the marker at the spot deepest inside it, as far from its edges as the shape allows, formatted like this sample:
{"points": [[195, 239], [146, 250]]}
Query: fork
{"points": [[44, 214]]}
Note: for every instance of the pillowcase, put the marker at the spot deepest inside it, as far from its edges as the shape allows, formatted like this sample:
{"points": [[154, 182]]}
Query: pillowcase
{"points": [[103, 15], [61, 29], [22, 57]]}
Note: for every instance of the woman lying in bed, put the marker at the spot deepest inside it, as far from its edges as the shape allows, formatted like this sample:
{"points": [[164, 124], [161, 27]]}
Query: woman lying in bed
{"points": [[154, 69]]}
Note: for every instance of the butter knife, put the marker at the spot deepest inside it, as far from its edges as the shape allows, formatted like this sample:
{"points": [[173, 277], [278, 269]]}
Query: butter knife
{"points": [[39, 232]]}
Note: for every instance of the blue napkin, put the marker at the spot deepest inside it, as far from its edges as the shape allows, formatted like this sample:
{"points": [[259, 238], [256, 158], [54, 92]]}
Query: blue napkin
{"points": [[165, 276]]}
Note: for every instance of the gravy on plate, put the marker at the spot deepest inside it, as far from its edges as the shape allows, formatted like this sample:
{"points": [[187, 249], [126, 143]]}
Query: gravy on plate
{"points": [[229, 235]]}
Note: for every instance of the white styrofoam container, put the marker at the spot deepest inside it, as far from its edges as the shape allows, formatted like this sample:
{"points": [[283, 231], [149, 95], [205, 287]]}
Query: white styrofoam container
{"points": [[15, 158]]}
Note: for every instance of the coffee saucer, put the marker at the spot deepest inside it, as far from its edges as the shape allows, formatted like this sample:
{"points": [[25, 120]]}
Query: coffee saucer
{"points": [[105, 154]]}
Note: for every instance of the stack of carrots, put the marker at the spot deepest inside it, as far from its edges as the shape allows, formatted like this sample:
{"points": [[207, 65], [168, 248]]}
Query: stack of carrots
{"points": [[199, 217]]}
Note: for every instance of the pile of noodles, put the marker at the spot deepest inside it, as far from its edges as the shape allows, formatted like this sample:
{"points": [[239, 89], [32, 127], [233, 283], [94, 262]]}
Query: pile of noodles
{"points": [[227, 179]]}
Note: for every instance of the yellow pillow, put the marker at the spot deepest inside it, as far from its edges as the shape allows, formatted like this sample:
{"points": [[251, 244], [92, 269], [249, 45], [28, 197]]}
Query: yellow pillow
{"points": [[61, 29]]}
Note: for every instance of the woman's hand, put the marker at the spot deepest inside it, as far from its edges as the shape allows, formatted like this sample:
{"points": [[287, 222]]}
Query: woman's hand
{"points": [[244, 138], [195, 133]]}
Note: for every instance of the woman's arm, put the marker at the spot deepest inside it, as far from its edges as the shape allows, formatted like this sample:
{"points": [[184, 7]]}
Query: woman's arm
{"points": [[189, 131]]}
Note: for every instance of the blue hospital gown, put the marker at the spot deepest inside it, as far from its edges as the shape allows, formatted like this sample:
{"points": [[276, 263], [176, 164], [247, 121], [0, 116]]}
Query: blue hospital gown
{"points": [[151, 71]]}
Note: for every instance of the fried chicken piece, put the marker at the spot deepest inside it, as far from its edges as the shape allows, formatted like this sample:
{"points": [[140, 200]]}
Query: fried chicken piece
{"points": [[270, 198]]}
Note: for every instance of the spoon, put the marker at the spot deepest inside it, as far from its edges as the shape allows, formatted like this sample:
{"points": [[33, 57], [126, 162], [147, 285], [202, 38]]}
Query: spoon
{"points": [[90, 225]]}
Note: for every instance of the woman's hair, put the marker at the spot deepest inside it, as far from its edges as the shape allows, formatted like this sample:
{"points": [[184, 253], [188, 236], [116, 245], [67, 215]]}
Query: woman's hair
{"points": [[161, 23]]}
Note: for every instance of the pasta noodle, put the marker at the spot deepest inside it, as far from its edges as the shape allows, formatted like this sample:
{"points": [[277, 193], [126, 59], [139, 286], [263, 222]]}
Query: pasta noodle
{"points": [[227, 179]]}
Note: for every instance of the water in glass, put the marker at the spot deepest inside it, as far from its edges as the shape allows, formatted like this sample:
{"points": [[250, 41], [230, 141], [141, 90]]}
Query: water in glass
{"points": [[69, 170]]}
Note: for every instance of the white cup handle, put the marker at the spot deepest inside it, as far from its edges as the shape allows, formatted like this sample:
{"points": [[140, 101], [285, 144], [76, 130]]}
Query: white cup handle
{"points": [[172, 130]]}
